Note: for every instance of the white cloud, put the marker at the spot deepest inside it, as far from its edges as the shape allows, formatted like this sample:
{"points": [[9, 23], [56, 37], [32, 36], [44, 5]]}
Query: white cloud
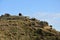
{"points": [[42, 14]]}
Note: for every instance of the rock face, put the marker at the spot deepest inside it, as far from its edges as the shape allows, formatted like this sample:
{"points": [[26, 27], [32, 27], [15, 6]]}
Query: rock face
{"points": [[25, 28]]}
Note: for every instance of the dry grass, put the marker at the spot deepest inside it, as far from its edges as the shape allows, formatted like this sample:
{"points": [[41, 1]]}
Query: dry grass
{"points": [[25, 29]]}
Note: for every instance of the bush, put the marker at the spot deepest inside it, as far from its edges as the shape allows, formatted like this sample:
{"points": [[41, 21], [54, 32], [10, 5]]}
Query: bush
{"points": [[39, 32], [33, 19], [20, 14], [43, 23], [37, 38], [50, 25], [6, 14]]}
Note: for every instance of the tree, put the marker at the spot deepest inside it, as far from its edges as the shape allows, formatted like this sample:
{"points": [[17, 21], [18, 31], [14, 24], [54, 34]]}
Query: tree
{"points": [[20, 14]]}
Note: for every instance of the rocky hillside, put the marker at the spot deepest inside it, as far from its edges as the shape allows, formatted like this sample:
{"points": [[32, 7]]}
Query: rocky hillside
{"points": [[24, 28]]}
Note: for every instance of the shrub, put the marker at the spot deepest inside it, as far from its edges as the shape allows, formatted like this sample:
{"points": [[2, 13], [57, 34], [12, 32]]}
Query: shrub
{"points": [[2, 15], [20, 14], [37, 38], [6, 14], [39, 32], [33, 19], [50, 25], [43, 23]]}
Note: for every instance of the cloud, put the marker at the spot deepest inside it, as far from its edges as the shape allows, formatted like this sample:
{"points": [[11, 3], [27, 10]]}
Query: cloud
{"points": [[42, 14]]}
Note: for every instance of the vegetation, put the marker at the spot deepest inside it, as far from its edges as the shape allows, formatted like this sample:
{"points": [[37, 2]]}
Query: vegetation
{"points": [[25, 28], [20, 14]]}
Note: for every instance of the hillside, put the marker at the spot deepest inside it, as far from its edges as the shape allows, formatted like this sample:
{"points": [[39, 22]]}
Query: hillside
{"points": [[25, 28]]}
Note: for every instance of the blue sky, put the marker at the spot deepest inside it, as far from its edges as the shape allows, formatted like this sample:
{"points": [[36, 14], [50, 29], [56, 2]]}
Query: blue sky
{"points": [[46, 10]]}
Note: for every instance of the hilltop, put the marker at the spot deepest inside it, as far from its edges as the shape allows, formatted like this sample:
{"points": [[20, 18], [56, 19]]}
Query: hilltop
{"points": [[25, 28]]}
